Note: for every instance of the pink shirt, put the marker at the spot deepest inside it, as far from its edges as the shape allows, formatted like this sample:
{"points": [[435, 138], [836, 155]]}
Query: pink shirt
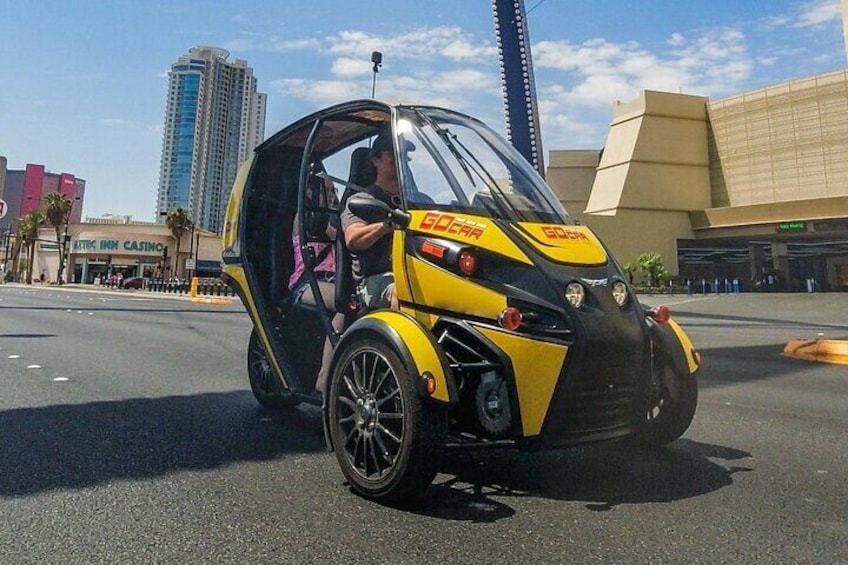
{"points": [[328, 265]]}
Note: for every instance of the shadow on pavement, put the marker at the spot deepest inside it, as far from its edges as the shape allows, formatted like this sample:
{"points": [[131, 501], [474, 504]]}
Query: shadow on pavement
{"points": [[80, 445], [602, 477], [26, 336], [720, 320], [723, 366]]}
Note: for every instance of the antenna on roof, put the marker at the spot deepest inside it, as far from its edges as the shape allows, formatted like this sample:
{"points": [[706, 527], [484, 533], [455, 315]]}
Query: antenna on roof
{"points": [[377, 59]]}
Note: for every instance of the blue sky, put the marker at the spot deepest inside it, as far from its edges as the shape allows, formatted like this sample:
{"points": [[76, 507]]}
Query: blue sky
{"points": [[82, 82]]}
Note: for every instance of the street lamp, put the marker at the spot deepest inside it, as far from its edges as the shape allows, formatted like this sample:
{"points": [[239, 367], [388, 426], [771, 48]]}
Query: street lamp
{"points": [[7, 238], [191, 252]]}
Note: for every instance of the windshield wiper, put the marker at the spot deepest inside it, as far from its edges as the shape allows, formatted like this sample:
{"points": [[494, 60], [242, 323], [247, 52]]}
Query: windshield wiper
{"points": [[446, 135], [449, 140]]}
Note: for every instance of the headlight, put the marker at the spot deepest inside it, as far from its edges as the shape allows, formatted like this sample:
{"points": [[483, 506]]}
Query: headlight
{"points": [[575, 294], [619, 293]]}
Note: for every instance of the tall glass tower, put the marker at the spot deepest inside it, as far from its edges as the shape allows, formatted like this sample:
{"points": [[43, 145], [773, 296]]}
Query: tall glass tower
{"points": [[214, 118]]}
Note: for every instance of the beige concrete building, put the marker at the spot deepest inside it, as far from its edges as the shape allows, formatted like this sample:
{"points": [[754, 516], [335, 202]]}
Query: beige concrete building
{"points": [[752, 187], [101, 247]]}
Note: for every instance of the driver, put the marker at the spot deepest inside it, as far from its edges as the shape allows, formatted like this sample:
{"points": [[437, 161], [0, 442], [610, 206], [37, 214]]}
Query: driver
{"points": [[371, 249]]}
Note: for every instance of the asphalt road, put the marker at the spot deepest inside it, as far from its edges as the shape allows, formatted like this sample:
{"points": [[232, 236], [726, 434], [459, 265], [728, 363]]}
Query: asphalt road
{"points": [[128, 434]]}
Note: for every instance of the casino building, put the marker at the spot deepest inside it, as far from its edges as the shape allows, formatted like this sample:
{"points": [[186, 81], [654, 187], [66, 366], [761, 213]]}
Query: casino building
{"points": [[99, 248], [751, 187]]}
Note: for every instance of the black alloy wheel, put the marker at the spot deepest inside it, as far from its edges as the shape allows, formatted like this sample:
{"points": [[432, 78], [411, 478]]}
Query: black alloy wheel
{"points": [[387, 441], [671, 407], [264, 384]]}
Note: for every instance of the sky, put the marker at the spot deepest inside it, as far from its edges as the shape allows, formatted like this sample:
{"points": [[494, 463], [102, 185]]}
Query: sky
{"points": [[83, 82]]}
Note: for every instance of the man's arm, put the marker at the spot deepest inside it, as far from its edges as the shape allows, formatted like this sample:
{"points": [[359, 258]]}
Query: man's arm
{"points": [[360, 236]]}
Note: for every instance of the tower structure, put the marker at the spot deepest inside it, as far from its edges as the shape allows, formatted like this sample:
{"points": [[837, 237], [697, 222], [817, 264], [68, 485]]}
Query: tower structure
{"points": [[519, 84], [214, 118], [845, 25]]}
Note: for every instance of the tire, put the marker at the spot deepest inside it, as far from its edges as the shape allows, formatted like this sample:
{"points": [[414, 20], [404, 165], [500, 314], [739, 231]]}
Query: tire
{"points": [[671, 408], [387, 440], [264, 384]]}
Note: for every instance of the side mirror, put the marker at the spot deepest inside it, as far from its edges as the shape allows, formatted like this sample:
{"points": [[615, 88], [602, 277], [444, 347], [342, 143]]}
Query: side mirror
{"points": [[373, 210]]}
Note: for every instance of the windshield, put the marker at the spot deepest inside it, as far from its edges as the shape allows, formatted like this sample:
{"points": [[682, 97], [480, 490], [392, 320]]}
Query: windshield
{"points": [[455, 163]]}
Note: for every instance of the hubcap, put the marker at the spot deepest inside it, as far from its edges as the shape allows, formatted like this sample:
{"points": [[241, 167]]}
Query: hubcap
{"points": [[370, 414]]}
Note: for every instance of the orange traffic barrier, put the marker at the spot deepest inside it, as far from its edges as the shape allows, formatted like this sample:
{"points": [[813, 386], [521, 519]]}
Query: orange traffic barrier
{"points": [[823, 350]]}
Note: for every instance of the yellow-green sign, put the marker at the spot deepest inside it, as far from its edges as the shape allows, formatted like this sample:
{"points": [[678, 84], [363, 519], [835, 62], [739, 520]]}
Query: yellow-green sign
{"points": [[118, 246]]}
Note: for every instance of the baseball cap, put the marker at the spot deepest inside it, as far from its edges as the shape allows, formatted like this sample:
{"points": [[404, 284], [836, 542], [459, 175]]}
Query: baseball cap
{"points": [[383, 142]]}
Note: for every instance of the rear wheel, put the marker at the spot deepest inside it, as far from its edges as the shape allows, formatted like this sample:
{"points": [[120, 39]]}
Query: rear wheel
{"points": [[671, 407], [264, 384], [386, 439]]}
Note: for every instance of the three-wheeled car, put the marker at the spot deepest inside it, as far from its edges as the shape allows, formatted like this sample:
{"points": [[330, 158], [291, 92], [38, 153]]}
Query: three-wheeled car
{"points": [[516, 327]]}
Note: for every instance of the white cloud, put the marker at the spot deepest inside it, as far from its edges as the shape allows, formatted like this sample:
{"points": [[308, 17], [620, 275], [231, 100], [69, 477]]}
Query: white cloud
{"points": [[818, 12], [420, 44], [676, 39], [348, 67], [459, 89], [273, 43]]}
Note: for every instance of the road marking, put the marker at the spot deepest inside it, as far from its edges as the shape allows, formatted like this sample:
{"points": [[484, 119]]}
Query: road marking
{"points": [[14, 356], [33, 366], [60, 379]]}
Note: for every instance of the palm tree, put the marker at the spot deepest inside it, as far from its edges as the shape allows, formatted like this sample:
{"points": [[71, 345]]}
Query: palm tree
{"points": [[651, 264], [57, 208], [179, 223], [28, 225]]}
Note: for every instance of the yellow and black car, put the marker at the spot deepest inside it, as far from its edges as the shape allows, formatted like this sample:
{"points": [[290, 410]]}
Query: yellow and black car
{"points": [[516, 326]]}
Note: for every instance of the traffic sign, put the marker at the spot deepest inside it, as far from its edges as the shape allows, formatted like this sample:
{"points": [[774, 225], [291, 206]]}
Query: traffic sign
{"points": [[2, 208]]}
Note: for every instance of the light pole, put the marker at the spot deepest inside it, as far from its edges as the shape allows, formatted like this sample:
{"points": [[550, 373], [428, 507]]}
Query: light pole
{"points": [[7, 240], [191, 252]]}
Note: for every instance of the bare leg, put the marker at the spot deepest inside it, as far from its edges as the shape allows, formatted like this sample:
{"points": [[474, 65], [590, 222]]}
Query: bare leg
{"points": [[328, 295]]}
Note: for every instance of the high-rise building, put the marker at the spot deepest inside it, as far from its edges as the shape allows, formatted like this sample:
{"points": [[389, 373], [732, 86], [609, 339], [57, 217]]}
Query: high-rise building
{"points": [[25, 190], [213, 120]]}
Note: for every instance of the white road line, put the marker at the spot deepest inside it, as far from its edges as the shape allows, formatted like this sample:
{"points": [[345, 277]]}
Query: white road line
{"points": [[14, 356], [33, 366]]}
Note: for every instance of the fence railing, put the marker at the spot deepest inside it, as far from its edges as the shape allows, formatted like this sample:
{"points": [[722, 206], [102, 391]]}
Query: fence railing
{"points": [[204, 288]]}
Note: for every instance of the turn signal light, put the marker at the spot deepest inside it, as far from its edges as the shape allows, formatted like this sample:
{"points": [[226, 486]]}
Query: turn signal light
{"points": [[696, 356], [467, 263], [661, 314], [510, 318], [429, 382], [436, 251]]}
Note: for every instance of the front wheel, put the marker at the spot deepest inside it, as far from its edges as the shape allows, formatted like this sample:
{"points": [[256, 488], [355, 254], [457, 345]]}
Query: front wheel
{"points": [[671, 408], [386, 439], [264, 384]]}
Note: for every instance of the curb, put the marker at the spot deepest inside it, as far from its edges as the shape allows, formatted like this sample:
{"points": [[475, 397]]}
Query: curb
{"points": [[205, 300], [823, 350]]}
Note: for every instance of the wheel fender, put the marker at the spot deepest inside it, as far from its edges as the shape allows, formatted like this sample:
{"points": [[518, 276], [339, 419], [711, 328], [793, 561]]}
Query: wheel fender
{"points": [[416, 347], [671, 342]]}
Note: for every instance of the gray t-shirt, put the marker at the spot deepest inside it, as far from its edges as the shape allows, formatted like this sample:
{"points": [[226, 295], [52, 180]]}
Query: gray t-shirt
{"points": [[376, 259]]}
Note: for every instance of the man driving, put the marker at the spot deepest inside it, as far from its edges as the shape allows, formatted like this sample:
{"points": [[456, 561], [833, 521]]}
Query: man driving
{"points": [[370, 243]]}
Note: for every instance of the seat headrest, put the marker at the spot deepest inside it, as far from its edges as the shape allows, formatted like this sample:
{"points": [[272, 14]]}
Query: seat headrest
{"points": [[362, 172]]}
